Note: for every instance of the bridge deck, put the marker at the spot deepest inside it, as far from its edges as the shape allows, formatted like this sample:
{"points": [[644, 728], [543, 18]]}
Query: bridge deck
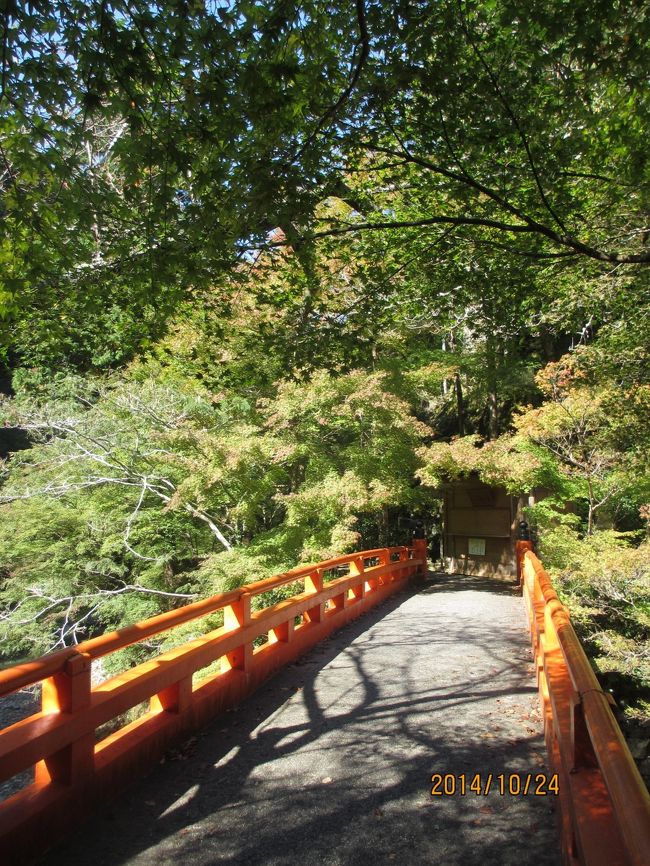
{"points": [[330, 762]]}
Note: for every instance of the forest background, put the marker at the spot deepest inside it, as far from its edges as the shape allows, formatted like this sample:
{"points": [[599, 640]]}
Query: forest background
{"points": [[271, 272]]}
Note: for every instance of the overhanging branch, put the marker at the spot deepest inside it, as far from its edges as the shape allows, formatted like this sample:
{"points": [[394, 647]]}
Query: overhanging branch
{"points": [[332, 111]]}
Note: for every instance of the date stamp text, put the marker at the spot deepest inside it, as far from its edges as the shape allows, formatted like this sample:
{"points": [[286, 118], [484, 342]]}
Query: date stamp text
{"points": [[504, 784]]}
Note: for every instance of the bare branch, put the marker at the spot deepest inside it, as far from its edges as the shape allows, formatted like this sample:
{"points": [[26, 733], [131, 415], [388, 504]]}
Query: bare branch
{"points": [[201, 515]]}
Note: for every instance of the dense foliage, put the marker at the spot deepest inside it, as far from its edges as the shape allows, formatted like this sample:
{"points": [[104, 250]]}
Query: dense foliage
{"points": [[271, 271]]}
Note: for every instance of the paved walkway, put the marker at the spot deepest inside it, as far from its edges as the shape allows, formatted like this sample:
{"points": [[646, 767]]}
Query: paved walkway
{"points": [[330, 762]]}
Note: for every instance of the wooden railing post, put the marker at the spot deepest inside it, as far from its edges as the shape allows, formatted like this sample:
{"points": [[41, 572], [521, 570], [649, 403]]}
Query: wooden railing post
{"points": [[420, 549], [282, 633], [314, 584], [237, 615], [522, 545], [582, 750], [68, 692], [420, 552], [370, 583], [174, 699], [357, 592]]}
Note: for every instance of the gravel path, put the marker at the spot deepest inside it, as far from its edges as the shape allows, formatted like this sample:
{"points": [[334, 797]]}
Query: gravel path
{"points": [[331, 762]]}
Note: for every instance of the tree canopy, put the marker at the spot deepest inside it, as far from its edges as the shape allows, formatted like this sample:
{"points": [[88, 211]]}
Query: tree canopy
{"points": [[271, 271], [146, 147]]}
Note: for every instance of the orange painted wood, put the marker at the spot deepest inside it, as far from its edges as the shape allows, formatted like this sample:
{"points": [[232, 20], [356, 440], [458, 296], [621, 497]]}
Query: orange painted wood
{"points": [[28, 673], [75, 774], [605, 805], [520, 549]]}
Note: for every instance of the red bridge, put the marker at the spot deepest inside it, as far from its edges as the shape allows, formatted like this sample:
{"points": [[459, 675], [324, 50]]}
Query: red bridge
{"points": [[409, 737]]}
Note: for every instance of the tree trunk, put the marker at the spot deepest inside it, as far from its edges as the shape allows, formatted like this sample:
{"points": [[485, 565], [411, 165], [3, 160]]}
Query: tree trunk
{"points": [[493, 415], [547, 343], [460, 405], [492, 402], [445, 387], [383, 527]]}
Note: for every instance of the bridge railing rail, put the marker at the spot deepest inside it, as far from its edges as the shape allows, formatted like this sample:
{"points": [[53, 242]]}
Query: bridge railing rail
{"points": [[185, 686], [605, 805]]}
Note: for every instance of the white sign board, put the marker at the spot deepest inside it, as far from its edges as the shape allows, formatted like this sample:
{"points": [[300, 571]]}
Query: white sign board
{"points": [[476, 546]]}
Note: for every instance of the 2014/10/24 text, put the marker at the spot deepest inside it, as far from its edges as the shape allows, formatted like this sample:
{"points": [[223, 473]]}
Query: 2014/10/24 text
{"points": [[504, 784]]}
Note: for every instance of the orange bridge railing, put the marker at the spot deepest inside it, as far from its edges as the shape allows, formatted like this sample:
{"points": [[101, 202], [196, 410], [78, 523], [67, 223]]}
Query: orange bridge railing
{"points": [[74, 771], [604, 803]]}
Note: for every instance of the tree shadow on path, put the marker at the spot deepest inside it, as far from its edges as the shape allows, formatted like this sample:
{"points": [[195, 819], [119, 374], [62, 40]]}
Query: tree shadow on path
{"points": [[330, 762]]}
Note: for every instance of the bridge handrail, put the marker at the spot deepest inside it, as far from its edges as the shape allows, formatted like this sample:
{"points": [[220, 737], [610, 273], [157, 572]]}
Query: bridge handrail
{"points": [[583, 736], [29, 673], [73, 771]]}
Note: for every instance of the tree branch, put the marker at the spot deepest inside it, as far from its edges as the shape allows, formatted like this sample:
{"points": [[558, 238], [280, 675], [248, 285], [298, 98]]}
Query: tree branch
{"points": [[532, 224], [332, 111], [515, 123]]}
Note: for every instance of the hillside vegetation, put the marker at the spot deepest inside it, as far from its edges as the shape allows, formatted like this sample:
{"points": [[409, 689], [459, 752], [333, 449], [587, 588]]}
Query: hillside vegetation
{"points": [[270, 272]]}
